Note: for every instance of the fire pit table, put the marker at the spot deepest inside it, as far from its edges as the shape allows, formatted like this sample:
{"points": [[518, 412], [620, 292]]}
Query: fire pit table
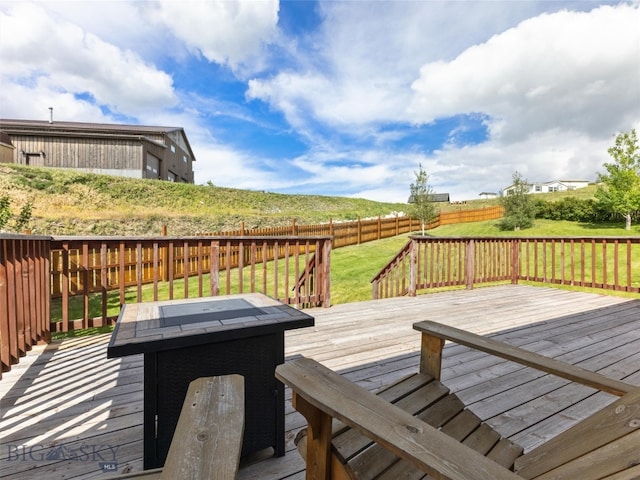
{"points": [[182, 340]]}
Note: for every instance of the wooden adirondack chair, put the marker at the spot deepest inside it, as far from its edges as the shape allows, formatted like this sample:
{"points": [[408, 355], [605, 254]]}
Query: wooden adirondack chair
{"points": [[416, 427]]}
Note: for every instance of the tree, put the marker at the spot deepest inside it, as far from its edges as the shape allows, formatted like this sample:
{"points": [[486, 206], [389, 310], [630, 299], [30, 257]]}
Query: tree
{"points": [[619, 191], [421, 199], [519, 207], [20, 222]]}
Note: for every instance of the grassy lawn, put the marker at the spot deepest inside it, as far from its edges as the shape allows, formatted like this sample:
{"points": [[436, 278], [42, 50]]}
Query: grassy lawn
{"points": [[353, 268], [541, 228]]}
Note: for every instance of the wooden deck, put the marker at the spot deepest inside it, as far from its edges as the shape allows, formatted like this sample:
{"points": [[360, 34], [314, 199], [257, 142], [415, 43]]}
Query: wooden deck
{"points": [[67, 411]]}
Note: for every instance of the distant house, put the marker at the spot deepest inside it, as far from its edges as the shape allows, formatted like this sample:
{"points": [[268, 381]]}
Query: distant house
{"points": [[435, 197], [487, 195], [553, 186], [134, 151]]}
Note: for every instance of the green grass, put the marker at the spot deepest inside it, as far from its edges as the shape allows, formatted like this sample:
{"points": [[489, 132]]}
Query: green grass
{"points": [[541, 228], [353, 268]]}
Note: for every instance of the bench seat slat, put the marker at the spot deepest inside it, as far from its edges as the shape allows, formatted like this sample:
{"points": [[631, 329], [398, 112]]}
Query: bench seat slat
{"points": [[394, 429]]}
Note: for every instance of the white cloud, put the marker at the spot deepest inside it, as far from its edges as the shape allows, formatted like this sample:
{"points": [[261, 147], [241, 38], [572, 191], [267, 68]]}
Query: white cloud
{"points": [[577, 71], [50, 57], [225, 32], [362, 61]]}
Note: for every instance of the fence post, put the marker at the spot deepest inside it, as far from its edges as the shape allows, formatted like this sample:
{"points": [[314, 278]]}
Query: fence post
{"points": [[359, 231], [470, 265], [413, 267]]}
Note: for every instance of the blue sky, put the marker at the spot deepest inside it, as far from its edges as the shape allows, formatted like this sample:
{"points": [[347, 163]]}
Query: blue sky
{"points": [[340, 97]]}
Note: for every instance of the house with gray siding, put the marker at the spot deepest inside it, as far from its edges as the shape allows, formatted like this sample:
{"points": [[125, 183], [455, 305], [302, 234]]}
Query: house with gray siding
{"points": [[135, 151]]}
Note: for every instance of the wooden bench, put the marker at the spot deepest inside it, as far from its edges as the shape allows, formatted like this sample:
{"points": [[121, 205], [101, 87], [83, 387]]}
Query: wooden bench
{"points": [[208, 438], [353, 433]]}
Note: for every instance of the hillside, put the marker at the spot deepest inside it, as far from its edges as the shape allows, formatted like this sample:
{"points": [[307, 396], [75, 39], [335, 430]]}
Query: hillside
{"points": [[71, 203], [66, 202]]}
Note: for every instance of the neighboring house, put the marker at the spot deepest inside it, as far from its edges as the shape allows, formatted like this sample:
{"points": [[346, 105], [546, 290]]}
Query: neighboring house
{"points": [[487, 195], [135, 151], [553, 186], [435, 197]]}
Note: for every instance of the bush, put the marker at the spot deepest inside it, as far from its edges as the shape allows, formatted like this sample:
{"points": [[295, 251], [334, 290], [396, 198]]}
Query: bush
{"points": [[20, 222], [573, 210]]}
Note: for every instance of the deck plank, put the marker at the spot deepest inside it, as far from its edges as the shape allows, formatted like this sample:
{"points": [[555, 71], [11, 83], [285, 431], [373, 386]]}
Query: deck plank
{"points": [[68, 394]]}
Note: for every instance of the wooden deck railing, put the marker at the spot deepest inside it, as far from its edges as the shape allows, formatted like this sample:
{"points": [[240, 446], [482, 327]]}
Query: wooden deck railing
{"points": [[609, 263], [101, 274], [51, 284], [24, 296]]}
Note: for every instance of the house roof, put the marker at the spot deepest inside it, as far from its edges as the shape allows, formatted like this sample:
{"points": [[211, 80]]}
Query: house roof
{"points": [[55, 128], [435, 197], [550, 182], [11, 124]]}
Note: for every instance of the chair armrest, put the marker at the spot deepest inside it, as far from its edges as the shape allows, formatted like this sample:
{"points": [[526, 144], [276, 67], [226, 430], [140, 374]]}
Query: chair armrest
{"points": [[208, 438], [207, 441], [324, 392], [518, 355]]}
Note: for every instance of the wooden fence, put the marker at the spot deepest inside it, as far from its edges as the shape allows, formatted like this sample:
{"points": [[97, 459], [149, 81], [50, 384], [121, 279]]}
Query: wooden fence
{"points": [[608, 263], [123, 268], [367, 230], [104, 273]]}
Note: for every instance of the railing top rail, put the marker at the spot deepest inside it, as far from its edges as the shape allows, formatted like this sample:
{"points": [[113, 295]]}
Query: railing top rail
{"points": [[20, 236], [402, 251], [633, 238], [64, 238]]}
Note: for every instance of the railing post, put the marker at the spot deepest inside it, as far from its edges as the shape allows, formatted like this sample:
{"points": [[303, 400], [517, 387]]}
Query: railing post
{"points": [[413, 267], [164, 255], [470, 265], [515, 260], [326, 273]]}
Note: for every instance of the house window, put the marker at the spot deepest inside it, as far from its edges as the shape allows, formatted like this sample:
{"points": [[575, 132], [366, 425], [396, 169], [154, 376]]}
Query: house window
{"points": [[173, 148], [538, 188], [184, 158]]}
